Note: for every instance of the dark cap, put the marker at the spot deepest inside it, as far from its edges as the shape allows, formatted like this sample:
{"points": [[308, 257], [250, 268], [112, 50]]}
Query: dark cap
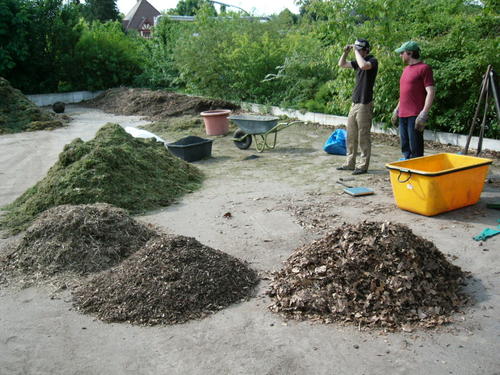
{"points": [[361, 44]]}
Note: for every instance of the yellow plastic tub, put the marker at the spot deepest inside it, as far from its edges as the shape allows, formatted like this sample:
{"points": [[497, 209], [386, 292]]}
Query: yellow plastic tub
{"points": [[430, 185]]}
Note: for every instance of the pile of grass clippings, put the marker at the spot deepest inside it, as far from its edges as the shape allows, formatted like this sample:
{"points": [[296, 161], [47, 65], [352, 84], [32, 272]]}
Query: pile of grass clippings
{"points": [[371, 274], [172, 279], [79, 239], [173, 127], [18, 113], [115, 168]]}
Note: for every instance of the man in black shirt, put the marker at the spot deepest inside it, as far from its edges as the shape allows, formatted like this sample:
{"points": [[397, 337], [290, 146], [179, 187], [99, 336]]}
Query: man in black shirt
{"points": [[359, 121]]}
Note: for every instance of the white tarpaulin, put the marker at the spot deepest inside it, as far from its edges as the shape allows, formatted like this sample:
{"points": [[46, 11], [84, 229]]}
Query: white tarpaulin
{"points": [[141, 133]]}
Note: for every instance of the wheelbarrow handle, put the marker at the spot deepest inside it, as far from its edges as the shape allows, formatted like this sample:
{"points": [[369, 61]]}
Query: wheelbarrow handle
{"points": [[290, 123], [284, 125]]}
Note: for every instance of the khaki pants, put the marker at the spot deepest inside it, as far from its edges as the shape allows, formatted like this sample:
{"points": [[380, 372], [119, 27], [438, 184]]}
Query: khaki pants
{"points": [[359, 124]]}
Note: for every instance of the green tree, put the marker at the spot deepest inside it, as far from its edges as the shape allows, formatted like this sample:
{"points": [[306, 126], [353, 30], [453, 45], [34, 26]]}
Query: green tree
{"points": [[39, 35], [159, 68], [229, 57], [104, 57], [287, 18], [243, 59], [101, 10], [191, 7], [14, 45]]}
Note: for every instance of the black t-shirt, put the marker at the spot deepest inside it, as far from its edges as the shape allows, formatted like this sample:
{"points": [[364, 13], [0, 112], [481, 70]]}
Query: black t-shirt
{"points": [[365, 79]]}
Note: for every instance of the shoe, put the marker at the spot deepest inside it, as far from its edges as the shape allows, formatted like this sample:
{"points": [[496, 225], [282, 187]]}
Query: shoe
{"points": [[344, 168], [402, 159], [359, 171]]}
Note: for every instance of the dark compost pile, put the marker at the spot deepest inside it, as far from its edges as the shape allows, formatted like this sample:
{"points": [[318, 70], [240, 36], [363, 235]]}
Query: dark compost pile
{"points": [[155, 104], [80, 239], [370, 274], [115, 168], [172, 279], [18, 113]]}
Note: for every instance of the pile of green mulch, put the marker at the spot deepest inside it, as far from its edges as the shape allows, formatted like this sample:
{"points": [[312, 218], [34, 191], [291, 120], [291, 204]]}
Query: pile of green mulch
{"points": [[115, 168], [80, 239], [186, 124], [18, 113], [369, 274], [172, 279], [178, 126]]}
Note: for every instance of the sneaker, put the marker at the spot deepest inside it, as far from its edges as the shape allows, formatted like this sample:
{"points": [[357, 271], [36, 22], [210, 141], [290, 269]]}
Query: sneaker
{"points": [[359, 171], [345, 168], [402, 159]]}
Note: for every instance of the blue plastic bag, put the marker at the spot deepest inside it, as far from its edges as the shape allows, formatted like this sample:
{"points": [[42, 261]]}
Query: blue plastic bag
{"points": [[336, 143]]}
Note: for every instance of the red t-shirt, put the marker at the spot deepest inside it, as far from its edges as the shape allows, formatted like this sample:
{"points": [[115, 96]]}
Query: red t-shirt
{"points": [[414, 80]]}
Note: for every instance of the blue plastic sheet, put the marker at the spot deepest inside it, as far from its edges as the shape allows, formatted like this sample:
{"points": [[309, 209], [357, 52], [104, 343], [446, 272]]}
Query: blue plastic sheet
{"points": [[336, 143]]}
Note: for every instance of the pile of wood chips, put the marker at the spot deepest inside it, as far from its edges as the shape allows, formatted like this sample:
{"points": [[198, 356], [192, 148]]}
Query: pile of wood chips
{"points": [[172, 279], [371, 274], [77, 238]]}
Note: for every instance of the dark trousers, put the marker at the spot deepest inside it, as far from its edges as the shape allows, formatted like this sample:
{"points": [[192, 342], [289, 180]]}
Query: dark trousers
{"points": [[412, 141]]}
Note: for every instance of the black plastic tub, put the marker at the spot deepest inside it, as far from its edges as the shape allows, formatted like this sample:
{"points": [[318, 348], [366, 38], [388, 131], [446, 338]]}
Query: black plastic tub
{"points": [[191, 148]]}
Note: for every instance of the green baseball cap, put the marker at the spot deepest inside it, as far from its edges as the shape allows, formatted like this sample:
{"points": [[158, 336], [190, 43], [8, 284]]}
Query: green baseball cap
{"points": [[408, 46]]}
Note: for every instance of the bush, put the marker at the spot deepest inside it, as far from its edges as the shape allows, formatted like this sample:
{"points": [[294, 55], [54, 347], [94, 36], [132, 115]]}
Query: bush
{"points": [[36, 39], [104, 57], [458, 41], [159, 69], [303, 78]]}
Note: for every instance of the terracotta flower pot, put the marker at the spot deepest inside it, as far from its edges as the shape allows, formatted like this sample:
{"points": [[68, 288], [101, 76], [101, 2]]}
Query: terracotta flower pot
{"points": [[216, 121]]}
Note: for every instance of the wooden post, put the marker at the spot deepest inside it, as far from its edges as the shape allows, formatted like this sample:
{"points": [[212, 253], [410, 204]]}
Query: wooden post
{"points": [[481, 95], [483, 123]]}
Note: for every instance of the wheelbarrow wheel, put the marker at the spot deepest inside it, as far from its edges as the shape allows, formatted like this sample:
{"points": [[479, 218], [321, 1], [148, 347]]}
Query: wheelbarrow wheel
{"points": [[244, 143]]}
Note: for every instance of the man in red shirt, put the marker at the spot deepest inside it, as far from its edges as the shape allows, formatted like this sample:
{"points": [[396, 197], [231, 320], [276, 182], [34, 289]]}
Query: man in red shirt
{"points": [[416, 94]]}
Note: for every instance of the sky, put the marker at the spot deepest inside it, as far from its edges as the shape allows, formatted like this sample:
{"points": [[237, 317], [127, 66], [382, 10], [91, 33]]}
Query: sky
{"points": [[256, 7]]}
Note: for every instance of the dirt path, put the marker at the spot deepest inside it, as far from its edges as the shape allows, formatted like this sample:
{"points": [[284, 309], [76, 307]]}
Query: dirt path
{"points": [[278, 201]]}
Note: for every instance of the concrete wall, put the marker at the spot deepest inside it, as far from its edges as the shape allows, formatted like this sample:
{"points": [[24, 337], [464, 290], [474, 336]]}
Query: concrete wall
{"points": [[321, 118], [65, 97]]}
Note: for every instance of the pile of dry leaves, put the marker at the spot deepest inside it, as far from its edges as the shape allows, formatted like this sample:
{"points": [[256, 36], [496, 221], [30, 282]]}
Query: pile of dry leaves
{"points": [[370, 274], [77, 238], [172, 279], [155, 104]]}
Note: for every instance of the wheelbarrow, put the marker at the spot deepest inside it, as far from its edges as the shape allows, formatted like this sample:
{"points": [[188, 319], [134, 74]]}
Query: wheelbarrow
{"points": [[257, 128]]}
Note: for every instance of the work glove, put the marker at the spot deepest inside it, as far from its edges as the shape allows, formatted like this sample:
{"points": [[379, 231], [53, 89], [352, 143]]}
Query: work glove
{"points": [[421, 121], [395, 117]]}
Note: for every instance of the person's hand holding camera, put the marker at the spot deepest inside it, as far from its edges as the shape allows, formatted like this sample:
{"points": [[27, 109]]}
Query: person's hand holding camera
{"points": [[347, 48]]}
